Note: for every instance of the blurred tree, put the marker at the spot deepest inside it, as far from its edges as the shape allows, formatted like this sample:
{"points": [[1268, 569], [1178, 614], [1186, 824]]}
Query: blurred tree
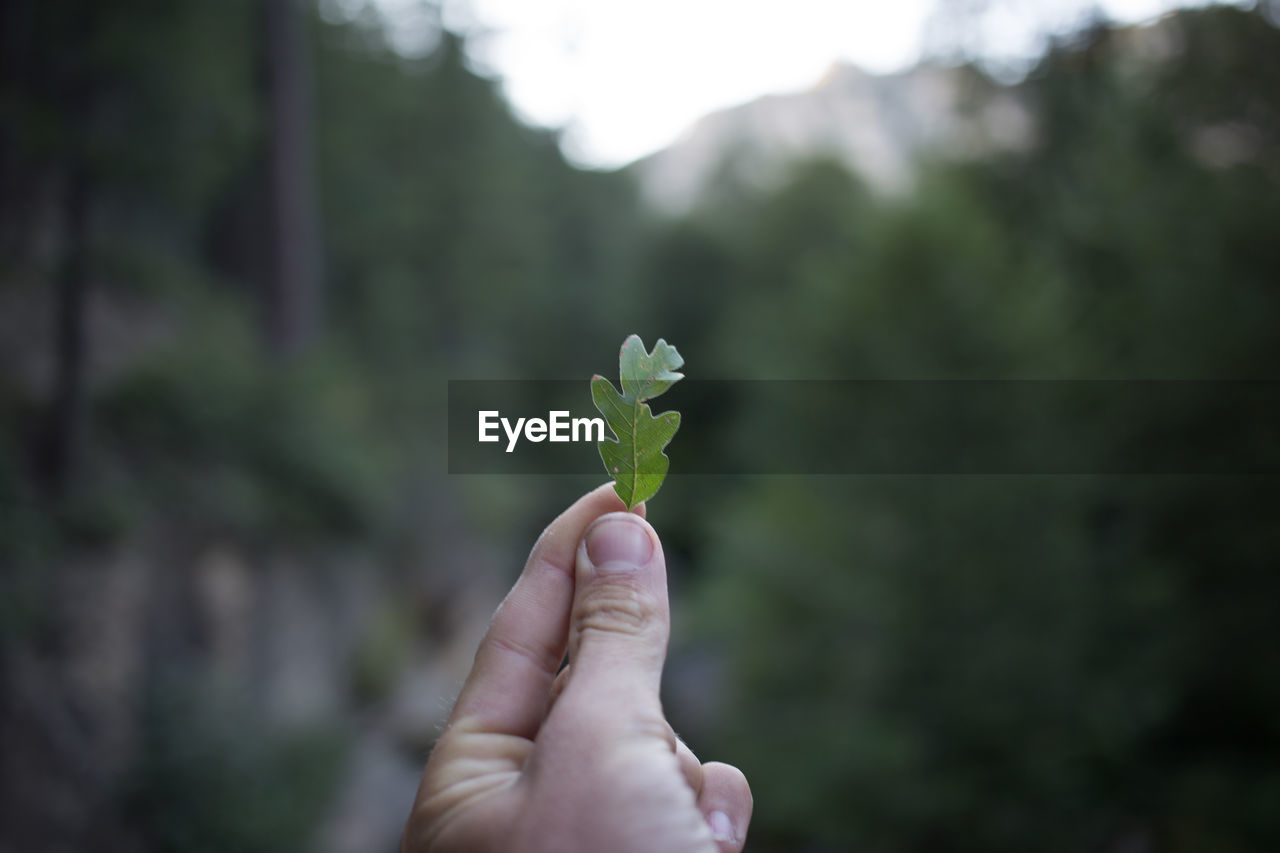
{"points": [[64, 436], [1018, 663], [293, 290], [73, 118]]}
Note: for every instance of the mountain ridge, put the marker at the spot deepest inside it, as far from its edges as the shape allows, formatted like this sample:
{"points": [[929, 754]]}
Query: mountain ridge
{"points": [[876, 124]]}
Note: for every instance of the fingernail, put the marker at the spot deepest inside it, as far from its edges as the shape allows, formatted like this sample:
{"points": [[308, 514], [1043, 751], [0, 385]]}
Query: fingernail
{"points": [[721, 826], [618, 543]]}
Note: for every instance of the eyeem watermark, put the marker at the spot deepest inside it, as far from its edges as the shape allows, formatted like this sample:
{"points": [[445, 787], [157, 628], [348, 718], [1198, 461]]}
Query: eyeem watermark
{"points": [[558, 427], [887, 427]]}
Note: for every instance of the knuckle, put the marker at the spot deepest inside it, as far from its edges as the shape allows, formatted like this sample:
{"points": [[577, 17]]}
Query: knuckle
{"points": [[615, 610], [648, 725]]}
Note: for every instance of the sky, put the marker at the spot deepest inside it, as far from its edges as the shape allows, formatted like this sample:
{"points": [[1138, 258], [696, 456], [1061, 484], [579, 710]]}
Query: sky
{"points": [[622, 78]]}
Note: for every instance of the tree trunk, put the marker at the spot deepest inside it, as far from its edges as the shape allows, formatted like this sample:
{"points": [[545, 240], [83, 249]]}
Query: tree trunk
{"points": [[66, 431], [67, 423], [15, 181], [292, 300]]}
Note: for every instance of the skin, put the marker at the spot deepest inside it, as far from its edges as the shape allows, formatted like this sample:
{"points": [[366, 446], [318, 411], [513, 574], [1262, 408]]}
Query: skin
{"points": [[583, 760]]}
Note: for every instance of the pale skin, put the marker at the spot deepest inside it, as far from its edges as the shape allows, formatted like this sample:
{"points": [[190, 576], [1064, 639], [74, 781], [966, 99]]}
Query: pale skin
{"points": [[580, 760]]}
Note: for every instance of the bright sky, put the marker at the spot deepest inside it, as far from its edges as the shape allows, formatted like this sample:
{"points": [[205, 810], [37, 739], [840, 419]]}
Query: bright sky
{"points": [[624, 78]]}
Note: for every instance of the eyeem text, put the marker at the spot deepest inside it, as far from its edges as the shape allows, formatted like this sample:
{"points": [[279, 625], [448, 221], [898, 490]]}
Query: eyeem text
{"points": [[557, 427]]}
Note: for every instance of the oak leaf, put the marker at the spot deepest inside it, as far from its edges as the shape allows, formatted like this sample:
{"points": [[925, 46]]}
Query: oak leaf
{"points": [[635, 459]]}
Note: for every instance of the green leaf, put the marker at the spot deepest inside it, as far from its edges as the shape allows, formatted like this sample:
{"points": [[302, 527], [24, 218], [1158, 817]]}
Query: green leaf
{"points": [[635, 460]]}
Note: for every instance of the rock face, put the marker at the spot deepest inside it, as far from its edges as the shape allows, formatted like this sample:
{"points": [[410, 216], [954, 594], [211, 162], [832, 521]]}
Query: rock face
{"points": [[179, 653], [878, 125]]}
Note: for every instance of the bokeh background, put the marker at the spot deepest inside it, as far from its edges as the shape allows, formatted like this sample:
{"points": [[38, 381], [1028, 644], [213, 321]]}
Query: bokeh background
{"points": [[244, 245]]}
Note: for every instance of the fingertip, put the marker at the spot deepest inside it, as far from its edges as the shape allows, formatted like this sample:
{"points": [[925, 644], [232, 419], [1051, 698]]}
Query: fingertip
{"points": [[721, 827], [619, 541], [610, 486], [621, 618], [726, 803]]}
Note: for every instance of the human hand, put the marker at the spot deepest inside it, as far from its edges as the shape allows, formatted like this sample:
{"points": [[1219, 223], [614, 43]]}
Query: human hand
{"points": [[583, 761]]}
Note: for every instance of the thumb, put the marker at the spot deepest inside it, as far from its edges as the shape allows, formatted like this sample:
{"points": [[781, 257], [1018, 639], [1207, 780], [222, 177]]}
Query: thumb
{"points": [[620, 620]]}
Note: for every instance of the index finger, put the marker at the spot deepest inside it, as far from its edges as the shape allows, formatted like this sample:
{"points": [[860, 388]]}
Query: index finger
{"points": [[507, 690]]}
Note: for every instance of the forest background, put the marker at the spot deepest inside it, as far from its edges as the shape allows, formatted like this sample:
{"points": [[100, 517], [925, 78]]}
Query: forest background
{"points": [[244, 247]]}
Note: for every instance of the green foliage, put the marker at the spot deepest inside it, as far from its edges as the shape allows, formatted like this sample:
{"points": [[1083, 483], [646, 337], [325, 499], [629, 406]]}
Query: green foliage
{"points": [[214, 777], [261, 451], [636, 460], [912, 656], [382, 653], [974, 663], [450, 225]]}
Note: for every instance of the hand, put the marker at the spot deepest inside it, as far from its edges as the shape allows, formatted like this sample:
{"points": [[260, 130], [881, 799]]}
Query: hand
{"points": [[583, 761]]}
